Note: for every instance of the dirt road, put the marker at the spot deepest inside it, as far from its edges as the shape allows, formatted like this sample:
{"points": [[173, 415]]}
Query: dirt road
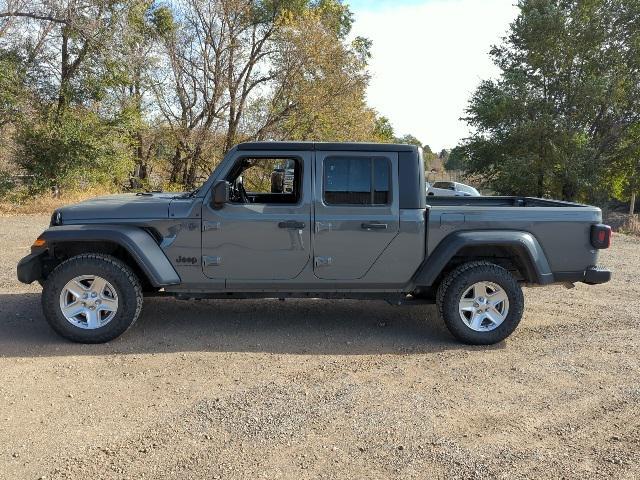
{"points": [[323, 389]]}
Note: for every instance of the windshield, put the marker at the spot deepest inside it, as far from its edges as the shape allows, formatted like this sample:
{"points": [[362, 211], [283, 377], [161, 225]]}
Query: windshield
{"points": [[468, 189]]}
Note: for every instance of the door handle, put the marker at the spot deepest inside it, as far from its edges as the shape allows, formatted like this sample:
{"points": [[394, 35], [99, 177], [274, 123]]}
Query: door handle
{"points": [[291, 224], [374, 226]]}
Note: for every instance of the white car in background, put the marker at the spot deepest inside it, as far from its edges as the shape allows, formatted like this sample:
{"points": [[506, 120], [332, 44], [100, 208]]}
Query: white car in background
{"points": [[452, 189]]}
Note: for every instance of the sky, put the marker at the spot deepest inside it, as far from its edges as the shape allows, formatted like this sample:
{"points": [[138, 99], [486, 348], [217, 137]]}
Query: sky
{"points": [[428, 58]]}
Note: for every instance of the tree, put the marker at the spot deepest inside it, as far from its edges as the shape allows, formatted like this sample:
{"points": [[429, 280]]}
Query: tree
{"points": [[173, 85], [67, 139], [383, 130], [409, 140], [319, 82], [133, 60], [12, 92], [242, 69], [67, 41], [624, 171], [456, 160], [566, 98]]}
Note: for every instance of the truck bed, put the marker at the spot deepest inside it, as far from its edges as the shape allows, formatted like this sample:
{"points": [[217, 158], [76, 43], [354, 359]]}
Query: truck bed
{"points": [[562, 228]]}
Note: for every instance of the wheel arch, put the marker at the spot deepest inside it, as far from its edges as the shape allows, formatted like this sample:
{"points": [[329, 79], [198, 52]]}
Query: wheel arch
{"points": [[133, 245], [514, 250]]}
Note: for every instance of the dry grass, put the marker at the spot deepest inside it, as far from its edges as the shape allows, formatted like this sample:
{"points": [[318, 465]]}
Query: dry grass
{"points": [[631, 225], [623, 222], [46, 203]]}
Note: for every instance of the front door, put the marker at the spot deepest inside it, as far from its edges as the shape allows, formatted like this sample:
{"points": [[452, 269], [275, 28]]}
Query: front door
{"points": [[264, 232], [356, 211]]}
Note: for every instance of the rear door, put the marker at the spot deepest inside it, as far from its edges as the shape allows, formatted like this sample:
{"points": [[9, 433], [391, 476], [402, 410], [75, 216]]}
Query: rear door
{"points": [[356, 211]]}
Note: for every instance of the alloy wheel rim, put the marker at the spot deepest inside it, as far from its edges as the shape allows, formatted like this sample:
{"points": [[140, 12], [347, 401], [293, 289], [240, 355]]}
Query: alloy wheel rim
{"points": [[484, 306], [88, 302]]}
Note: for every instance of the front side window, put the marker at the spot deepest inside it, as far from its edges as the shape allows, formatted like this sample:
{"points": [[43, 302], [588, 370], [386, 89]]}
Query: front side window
{"points": [[357, 181], [265, 180]]}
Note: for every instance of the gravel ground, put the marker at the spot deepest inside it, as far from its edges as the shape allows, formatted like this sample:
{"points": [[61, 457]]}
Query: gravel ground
{"points": [[323, 389]]}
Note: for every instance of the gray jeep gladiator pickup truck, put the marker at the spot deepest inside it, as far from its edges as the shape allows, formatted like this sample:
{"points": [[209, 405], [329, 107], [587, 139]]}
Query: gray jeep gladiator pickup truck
{"points": [[355, 224]]}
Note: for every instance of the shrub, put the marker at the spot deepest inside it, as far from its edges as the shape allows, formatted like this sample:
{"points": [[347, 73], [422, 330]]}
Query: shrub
{"points": [[77, 149]]}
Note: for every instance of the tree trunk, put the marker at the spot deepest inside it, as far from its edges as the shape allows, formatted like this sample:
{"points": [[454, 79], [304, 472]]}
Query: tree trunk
{"points": [[540, 189], [139, 150], [568, 192], [191, 172], [64, 72], [632, 204], [176, 162], [141, 163]]}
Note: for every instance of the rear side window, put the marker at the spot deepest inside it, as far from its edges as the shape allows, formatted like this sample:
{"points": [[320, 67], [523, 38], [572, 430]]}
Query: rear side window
{"points": [[357, 181], [445, 185]]}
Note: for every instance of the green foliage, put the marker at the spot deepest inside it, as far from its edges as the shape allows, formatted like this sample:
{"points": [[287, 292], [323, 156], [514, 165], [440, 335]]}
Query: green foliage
{"points": [[11, 86], [457, 158], [162, 20], [383, 130], [6, 183], [555, 120], [362, 48], [335, 15], [410, 140], [75, 150], [623, 172]]}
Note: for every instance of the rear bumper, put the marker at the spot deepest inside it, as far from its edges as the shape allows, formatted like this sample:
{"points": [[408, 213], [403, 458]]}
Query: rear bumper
{"points": [[596, 275], [591, 276], [30, 267]]}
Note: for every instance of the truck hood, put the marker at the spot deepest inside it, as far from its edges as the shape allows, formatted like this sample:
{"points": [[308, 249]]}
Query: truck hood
{"points": [[118, 207]]}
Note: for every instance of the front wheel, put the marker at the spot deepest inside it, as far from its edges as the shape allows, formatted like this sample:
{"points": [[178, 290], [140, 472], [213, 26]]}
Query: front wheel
{"points": [[481, 303], [91, 298]]}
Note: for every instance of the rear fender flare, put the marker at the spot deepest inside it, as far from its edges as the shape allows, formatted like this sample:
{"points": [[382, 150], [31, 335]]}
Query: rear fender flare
{"points": [[524, 245]]}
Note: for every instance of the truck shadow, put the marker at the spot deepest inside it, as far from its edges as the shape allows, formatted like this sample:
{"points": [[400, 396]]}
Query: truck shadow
{"points": [[305, 327]]}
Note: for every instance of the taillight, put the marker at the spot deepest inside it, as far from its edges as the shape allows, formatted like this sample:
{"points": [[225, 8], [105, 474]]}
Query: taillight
{"points": [[601, 236]]}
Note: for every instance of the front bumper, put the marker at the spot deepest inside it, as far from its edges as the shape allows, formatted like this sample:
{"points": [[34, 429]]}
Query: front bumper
{"points": [[30, 267]]}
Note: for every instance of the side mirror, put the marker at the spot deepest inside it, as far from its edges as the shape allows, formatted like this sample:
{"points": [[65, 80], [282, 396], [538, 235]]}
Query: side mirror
{"points": [[220, 194]]}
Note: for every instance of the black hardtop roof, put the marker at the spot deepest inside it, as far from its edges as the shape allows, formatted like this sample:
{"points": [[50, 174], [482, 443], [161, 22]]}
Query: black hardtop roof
{"points": [[337, 146]]}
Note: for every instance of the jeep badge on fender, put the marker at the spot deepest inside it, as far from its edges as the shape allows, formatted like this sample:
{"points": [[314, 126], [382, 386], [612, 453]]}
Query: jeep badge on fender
{"points": [[190, 260]]}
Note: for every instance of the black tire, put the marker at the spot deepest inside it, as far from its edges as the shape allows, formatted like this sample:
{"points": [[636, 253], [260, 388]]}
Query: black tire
{"points": [[118, 274], [458, 281]]}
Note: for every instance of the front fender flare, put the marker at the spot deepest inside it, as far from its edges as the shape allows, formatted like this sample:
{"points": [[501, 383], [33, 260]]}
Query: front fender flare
{"points": [[137, 242], [524, 244]]}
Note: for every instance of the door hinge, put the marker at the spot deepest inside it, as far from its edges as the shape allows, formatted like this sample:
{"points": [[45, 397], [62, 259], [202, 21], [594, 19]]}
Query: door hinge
{"points": [[206, 226], [208, 261], [322, 261], [320, 226]]}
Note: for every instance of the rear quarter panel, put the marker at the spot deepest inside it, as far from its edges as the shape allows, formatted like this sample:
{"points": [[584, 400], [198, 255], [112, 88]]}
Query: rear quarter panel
{"points": [[563, 232]]}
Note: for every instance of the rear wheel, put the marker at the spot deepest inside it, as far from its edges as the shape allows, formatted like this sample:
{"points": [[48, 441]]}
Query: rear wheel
{"points": [[481, 303], [92, 298]]}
